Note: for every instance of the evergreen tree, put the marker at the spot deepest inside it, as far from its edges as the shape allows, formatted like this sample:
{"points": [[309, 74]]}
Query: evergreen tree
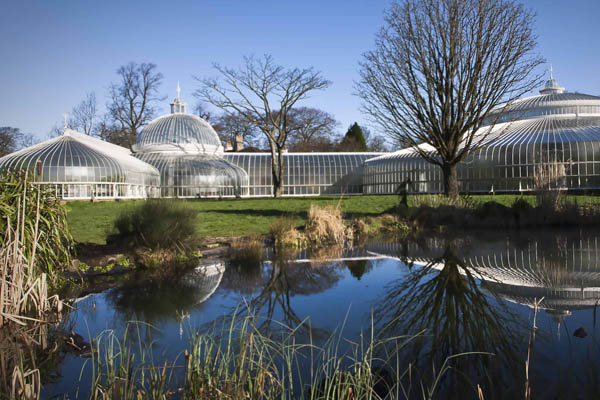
{"points": [[354, 140]]}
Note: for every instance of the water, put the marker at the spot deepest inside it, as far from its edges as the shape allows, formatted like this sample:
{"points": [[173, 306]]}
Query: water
{"points": [[468, 294]]}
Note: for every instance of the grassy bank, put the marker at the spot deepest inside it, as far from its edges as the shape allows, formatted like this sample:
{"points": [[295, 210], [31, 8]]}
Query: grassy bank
{"points": [[91, 222]]}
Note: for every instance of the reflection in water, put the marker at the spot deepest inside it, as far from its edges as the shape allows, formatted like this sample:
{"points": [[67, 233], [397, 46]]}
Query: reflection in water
{"points": [[280, 280], [441, 297], [466, 293], [440, 294], [154, 302]]}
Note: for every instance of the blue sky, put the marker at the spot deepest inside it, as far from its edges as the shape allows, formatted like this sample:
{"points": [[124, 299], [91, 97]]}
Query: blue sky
{"points": [[56, 51]]}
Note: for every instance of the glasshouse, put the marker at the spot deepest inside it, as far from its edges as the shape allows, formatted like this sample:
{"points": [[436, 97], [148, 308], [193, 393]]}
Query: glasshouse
{"points": [[78, 166], [305, 173], [549, 141], [189, 156]]}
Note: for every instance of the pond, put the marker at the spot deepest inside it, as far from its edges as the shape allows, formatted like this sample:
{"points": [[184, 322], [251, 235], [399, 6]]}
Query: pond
{"points": [[473, 294]]}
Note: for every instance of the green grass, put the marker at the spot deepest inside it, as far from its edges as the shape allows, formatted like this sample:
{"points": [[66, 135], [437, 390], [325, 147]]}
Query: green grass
{"points": [[91, 222]]}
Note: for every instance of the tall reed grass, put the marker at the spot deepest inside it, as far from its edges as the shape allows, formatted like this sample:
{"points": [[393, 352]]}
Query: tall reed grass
{"points": [[23, 290], [24, 299], [237, 360], [34, 221]]}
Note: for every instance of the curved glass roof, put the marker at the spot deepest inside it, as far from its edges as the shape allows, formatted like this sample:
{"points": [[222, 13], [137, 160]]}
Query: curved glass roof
{"points": [[551, 104], [556, 117], [76, 157], [179, 132], [200, 173]]}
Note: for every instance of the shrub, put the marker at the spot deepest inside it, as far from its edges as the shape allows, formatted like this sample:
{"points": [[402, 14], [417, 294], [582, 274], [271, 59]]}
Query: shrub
{"points": [[21, 198], [325, 225], [158, 224], [285, 233]]}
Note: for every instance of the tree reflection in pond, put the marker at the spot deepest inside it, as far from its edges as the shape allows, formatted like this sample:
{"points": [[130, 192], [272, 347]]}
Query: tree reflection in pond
{"points": [[284, 278], [442, 298]]}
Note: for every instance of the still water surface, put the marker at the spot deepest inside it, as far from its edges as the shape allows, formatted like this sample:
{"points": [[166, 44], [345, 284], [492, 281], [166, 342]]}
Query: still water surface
{"points": [[473, 293]]}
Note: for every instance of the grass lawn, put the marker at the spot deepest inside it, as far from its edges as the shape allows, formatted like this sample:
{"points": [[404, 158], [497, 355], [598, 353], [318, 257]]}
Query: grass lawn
{"points": [[91, 222]]}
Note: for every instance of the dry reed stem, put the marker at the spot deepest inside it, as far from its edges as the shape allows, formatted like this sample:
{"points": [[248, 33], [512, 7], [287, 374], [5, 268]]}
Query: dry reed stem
{"points": [[536, 305]]}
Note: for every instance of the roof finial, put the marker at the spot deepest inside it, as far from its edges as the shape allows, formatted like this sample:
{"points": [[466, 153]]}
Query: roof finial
{"points": [[551, 77], [65, 122], [178, 91]]}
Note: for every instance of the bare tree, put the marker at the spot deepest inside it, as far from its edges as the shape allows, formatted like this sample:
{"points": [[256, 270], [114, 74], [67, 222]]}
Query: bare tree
{"points": [[228, 125], [131, 99], [310, 124], [83, 115], [201, 111], [12, 139], [439, 69], [112, 133], [263, 93]]}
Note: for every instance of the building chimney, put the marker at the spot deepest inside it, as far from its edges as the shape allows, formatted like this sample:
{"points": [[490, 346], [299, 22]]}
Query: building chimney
{"points": [[228, 146], [239, 143]]}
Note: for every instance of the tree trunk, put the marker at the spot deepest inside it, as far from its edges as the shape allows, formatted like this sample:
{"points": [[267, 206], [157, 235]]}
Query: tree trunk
{"points": [[450, 180], [276, 170]]}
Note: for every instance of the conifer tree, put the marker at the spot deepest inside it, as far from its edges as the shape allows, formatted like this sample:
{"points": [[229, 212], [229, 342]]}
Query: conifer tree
{"points": [[354, 140]]}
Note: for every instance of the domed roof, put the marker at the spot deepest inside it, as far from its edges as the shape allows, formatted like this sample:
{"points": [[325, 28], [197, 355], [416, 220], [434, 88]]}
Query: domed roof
{"points": [[551, 102], [76, 157], [179, 132]]}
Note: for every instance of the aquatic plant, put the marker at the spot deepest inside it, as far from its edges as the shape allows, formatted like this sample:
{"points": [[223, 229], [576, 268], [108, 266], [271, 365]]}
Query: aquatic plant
{"points": [[24, 299], [248, 252], [237, 360], [34, 220], [157, 223]]}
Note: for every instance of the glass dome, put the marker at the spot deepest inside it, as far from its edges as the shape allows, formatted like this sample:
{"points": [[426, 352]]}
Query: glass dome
{"points": [[187, 152], [79, 166], [549, 141], [199, 175], [178, 131]]}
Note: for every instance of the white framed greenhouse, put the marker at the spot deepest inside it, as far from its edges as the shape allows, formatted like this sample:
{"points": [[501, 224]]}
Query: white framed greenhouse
{"points": [[78, 166], [549, 141], [188, 154], [305, 174]]}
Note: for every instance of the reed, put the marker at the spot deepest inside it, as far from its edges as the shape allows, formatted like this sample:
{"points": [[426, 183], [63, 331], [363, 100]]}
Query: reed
{"points": [[325, 226], [23, 291], [34, 221], [24, 299], [236, 359]]}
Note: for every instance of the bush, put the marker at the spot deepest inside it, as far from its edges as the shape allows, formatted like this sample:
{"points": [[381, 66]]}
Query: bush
{"points": [[325, 225], [19, 196], [158, 224], [285, 233]]}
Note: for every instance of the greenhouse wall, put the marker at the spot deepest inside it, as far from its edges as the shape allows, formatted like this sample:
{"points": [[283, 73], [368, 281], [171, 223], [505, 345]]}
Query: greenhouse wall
{"points": [[305, 174]]}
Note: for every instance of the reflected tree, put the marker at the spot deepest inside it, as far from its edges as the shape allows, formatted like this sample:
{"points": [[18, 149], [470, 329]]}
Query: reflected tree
{"points": [[275, 284], [442, 298]]}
